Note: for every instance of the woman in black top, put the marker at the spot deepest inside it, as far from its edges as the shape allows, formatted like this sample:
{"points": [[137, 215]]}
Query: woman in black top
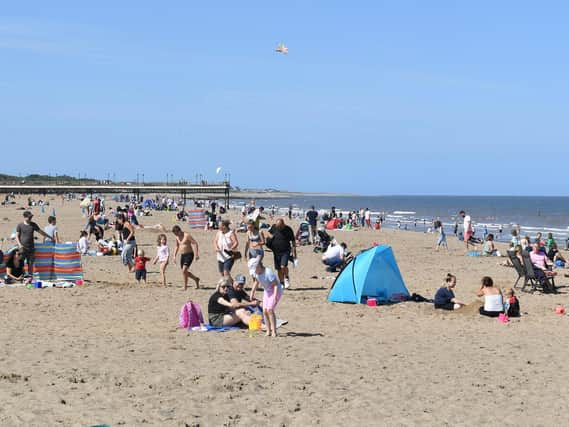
{"points": [[126, 230], [219, 308], [14, 267]]}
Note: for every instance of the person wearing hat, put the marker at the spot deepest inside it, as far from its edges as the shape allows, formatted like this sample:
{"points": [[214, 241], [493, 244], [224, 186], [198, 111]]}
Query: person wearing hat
{"points": [[239, 300], [223, 311], [25, 239]]}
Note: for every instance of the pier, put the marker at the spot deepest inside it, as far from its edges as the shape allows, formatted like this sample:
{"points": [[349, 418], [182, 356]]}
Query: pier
{"points": [[202, 191]]}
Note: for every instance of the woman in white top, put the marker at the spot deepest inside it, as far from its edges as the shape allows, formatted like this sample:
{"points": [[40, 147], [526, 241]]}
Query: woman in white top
{"points": [[225, 243], [493, 303]]}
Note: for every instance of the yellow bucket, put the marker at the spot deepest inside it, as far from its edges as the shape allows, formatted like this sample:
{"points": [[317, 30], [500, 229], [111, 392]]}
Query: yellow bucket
{"points": [[255, 322]]}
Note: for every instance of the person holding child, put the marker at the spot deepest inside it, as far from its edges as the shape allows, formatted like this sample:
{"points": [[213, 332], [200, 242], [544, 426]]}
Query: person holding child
{"points": [[444, 298]]}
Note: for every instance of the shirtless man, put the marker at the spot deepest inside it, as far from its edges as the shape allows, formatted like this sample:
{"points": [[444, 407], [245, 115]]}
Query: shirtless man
{"points": [[184, 244]]}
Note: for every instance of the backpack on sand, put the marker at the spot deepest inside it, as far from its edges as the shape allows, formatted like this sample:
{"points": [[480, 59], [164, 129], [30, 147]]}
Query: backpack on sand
{"points": [[190, 315]]}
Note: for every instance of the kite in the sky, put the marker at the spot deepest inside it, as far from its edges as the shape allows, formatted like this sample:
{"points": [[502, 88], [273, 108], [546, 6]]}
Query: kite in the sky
{"points": [[281, 48]]}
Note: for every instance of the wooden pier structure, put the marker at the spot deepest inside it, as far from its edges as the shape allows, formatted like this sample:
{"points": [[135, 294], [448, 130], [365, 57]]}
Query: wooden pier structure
{"points": [[186, 191]]}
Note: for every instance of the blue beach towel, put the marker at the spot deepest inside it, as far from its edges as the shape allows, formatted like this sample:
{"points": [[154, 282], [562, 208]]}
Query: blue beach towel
{"points": [[210, 328]]}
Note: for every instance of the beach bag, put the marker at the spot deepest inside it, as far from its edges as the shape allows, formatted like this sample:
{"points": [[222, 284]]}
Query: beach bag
{"points": [[190, 315]]}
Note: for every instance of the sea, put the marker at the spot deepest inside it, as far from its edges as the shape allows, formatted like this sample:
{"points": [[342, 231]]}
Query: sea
{"points": [[489, 214]]}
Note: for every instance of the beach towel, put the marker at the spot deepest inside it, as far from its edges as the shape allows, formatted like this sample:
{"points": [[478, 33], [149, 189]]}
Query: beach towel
{"points": [[208, 328], [196, 219]]}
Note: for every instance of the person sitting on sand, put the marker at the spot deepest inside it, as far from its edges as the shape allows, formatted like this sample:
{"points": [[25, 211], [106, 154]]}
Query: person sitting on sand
{"points": [[489, 249], [14, 268], [83, 243], [511, 303], [555, 256], [444, 298], [493, 303], [239, 299], [220, 311]]}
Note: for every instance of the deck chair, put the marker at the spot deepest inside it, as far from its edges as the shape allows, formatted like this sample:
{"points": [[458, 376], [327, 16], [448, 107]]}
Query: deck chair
{"points": [[546, 284], [519, 269]]}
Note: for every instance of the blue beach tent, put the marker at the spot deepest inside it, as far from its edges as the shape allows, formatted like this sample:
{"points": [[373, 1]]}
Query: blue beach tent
{"points": [[372, 273]]}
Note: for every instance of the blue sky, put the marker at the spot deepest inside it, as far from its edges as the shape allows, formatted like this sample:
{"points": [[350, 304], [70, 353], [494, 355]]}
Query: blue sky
{"points": [[400, 97]]}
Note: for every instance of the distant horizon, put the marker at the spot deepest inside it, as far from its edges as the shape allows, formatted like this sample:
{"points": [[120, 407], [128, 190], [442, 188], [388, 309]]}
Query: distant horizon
{"points": [[287, 191]]}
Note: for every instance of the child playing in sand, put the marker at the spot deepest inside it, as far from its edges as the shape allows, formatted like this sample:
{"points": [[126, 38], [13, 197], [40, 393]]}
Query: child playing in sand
{"points": [[273, 291], [511, 303], [83, 243], [162, 255], [140, 267], [442, 240]]}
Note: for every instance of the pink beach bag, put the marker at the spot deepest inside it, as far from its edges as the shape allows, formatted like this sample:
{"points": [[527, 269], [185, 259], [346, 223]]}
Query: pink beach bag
{"points": [[190, 315]]}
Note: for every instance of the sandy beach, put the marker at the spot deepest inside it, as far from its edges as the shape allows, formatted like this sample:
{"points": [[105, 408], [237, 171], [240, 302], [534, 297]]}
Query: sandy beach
{"points": [[110, 352]]}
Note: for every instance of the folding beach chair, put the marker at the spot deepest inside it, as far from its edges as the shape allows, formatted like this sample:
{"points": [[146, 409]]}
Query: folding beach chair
{"points": [[519, 269], [542, 281]]}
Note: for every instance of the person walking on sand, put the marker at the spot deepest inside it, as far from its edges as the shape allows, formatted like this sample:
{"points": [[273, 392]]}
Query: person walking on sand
{"points": [[468, 231], [126, 231], [25, 239], [441, 240], [184, 243], [225, 243], [162, 256], [312, 218], [283, 245]]}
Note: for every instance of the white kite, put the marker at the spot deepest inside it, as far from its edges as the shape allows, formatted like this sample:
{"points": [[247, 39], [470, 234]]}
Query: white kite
{"points": [[218, 170]]}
